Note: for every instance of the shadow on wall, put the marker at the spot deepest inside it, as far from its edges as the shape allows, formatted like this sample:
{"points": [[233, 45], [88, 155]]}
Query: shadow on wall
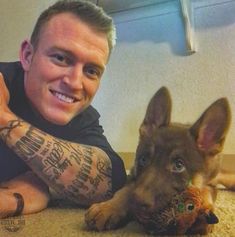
{"points": [[215, 15], [166, 27], [158, 24]]}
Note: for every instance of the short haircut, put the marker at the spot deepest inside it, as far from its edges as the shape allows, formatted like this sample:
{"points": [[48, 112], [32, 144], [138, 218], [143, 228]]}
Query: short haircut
{"points": [[86, 11]]}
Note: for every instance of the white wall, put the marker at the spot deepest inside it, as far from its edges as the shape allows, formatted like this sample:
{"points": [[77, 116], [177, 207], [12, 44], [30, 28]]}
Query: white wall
{"points": [[17, 19], [150, 53]]}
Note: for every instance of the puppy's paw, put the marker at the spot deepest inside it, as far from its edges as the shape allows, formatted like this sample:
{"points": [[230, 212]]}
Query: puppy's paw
{"points": [[105, 216]]}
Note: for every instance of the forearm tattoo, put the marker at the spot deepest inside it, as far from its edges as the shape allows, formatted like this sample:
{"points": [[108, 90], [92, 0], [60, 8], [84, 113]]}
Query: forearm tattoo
{"points": [[6, 131], [55, 159]]}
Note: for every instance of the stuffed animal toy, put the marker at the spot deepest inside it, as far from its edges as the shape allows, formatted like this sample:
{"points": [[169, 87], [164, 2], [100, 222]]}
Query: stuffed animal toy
{"points": [[180, 215]]}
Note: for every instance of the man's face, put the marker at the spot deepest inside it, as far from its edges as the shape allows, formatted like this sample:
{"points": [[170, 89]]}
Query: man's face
{"points": [[63, 73]]}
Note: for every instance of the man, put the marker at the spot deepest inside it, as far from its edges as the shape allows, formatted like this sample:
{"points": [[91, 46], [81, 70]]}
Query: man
{"points": [[50, 134]]}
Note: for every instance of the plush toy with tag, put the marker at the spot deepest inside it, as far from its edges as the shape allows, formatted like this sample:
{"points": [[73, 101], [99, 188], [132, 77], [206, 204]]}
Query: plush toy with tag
{"points": [[181, 214]]}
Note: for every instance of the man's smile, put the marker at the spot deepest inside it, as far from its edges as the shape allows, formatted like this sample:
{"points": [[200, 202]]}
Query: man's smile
{"points": [[63, 97]]}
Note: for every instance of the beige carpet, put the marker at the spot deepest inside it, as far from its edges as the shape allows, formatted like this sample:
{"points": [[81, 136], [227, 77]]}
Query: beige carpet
{"points": [[62, 219]]}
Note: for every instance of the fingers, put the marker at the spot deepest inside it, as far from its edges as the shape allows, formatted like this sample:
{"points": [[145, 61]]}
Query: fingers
{"points": [[4, 93], [1, 77]]}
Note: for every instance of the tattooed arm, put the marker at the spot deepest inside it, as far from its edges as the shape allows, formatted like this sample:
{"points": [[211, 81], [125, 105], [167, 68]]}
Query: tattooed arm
{"points": [[79, 172]]}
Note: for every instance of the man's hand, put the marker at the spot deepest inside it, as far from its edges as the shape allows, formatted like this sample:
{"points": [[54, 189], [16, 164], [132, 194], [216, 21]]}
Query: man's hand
{"points": [[5, 113], [4, 93]]}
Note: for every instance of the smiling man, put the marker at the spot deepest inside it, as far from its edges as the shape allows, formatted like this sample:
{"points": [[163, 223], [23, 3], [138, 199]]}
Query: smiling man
{"points": [[50, 134]]}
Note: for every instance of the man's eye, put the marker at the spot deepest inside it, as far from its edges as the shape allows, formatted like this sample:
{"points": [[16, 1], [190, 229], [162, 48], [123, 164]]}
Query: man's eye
{"points": [[92, 72], [60, 59]]}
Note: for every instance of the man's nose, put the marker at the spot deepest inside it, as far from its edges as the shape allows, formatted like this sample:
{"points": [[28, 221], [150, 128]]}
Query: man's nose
{"points": [[74, 78]]}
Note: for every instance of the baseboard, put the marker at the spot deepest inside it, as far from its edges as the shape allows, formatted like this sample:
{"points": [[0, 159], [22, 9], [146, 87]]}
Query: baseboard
{"points": [[128, 158], [228, 161]]}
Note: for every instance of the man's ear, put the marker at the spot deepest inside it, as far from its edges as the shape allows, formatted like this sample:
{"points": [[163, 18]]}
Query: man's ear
{"points": [[26, 54], [211, 128], [158, 112]]}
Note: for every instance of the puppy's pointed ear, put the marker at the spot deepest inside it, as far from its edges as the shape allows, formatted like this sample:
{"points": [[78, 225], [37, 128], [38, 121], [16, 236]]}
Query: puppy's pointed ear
{"points": [[211, 128], [158, 112]]}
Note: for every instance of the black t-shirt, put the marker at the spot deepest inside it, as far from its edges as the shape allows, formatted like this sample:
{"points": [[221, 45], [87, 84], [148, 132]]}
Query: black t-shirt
{"points": [[83, 129]]}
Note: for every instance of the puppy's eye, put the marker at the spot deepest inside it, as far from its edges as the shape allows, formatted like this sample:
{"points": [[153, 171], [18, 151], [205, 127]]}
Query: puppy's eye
{"points": [[178, 166]]}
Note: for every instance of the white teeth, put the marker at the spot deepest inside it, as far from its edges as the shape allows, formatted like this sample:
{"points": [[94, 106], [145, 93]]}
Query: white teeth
{"points": [[64, 98]]}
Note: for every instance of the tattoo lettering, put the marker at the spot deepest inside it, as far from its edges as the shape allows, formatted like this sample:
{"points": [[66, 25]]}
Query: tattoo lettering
{"points": [[55, 162], [88, 153], [77, 156], [76, 189], [5, 131], [75, 196], [53, 157], [78, 184], [80, 155], [97, 180], [46, 149], [86, 184], [85, 172], [28, 145], [103, 168]]}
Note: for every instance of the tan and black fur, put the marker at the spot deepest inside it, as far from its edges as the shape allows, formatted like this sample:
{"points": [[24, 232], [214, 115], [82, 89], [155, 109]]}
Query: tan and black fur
{"points": [[168, 157]]}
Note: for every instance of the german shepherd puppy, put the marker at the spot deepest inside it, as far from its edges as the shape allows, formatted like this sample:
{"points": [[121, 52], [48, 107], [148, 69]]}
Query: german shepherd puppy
{"points": [[168, 157]]}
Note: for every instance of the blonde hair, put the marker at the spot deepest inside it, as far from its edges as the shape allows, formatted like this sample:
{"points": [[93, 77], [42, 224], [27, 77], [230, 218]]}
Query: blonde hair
{"points": [[86, 11]]}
